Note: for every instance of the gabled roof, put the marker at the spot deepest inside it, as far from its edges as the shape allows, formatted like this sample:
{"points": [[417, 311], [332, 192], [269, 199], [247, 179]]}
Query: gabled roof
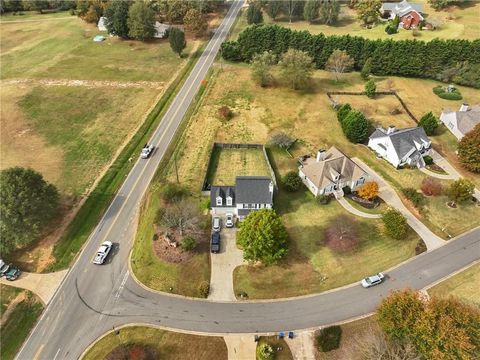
{"points": [[254, 190], [467, 119], [402, 8], [223, 192], [322, 173], [403, 140]]}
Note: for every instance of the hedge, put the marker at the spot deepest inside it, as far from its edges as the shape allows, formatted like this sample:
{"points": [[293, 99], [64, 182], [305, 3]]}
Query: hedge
{"points": [[411, 58], [441, 93], [329, 338]]}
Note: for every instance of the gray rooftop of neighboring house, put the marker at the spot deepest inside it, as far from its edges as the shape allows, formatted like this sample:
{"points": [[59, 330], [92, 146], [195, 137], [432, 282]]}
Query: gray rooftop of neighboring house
{"points": [[402, 140], [254, 190], [402, 8], [467, 119]]}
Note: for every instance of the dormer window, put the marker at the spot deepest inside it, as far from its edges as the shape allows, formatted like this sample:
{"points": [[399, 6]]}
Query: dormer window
{"points": [[219, 201], [229, 201]]}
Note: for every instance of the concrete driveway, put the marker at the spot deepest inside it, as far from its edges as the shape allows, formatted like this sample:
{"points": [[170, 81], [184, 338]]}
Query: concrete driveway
{"points": [[223, 264], [388, 194]]}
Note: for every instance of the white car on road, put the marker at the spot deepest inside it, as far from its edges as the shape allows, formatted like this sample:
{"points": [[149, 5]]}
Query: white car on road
{"points": [[372, 280], [146, 151], [102, 252]]}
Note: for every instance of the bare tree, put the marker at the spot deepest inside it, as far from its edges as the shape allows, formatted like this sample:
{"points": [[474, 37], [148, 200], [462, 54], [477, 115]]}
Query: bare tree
{"points": [[339, 62], [374, 345], [282, 140], [183, 216]]}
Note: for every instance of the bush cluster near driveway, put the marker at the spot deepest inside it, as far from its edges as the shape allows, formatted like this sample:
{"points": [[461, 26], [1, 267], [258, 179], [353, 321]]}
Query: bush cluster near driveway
{"points": [[20, 321], [184, 278], [273, 343], [167, 345]]}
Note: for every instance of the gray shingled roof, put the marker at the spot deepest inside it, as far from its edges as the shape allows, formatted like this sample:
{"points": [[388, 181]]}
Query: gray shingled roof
{"points": [[402, 8], [253, 190], [402, 140], [222, 191], [466, 120]]}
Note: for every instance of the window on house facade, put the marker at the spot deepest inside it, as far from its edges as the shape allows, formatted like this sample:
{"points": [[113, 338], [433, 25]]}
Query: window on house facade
{"points": [[229, 201], [219, 201]]}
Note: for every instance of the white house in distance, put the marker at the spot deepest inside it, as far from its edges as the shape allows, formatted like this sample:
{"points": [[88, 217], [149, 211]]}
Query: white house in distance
{"points": [[462, 121], [401, 147], [250, 193], [102, 24], [330, 171], [161, 30]]}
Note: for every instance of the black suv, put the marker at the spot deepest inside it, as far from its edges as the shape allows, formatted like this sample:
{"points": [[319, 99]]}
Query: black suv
{"points": [[215, 244]]}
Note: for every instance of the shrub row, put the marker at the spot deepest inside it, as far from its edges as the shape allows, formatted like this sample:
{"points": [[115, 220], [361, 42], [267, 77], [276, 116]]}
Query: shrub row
{"points": [[404, 58], [441, 93]]}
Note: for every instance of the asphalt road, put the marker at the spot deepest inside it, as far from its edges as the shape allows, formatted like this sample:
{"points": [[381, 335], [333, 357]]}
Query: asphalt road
{"points": [[93, 299]]}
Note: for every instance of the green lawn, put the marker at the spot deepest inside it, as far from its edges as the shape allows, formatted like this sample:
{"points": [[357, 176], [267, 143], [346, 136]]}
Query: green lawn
{"points": [[168, 345], [19, 323], [464, 285], [34, 15], [64, 49], [276, 343], [184, 278], [457, 23], [310, 266], [227, 164]]}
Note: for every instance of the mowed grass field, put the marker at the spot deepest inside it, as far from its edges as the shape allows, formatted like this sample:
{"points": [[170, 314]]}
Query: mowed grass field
{"points": [[65, 132], [463, 285], [167, 344], [454, 23], [227, 164]]}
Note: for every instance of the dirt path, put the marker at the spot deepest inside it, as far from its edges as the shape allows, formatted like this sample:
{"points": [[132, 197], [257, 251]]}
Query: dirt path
{"points": [[13, 304], [36, 20], [157, 85]]}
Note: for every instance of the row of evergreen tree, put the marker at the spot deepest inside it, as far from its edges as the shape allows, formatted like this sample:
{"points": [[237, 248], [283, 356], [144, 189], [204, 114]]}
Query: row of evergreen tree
{"points": [[410, 58]]}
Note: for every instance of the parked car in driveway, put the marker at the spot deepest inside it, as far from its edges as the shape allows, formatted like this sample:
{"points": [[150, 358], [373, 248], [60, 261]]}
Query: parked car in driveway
{"points": [[216, 224], [3, 268], [372, 280], [229, 220], [102, 252], [146, 151], [12, 273], [215, 243]]}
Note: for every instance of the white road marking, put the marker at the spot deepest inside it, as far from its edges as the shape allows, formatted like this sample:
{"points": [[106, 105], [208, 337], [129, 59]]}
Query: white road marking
{"points": [[55, 357]]}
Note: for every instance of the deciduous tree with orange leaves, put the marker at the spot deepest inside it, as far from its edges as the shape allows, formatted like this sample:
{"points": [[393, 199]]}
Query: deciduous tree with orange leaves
{"points": [[368, 191]]}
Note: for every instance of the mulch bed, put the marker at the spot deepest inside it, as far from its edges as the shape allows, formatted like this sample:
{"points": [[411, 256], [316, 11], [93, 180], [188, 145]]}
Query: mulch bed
{"points": [[176, 255]]}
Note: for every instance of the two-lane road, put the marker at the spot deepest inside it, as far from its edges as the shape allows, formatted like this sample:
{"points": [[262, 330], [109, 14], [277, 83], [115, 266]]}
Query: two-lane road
{"points": [[74, 314], [92, 299]]}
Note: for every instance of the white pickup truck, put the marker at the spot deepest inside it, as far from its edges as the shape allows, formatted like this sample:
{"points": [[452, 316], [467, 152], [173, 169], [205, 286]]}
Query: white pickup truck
{"points": [[147, 151]]}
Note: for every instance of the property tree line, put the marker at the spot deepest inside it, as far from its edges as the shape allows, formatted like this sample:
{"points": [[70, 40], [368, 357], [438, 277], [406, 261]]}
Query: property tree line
{"points": [[409, 58]]}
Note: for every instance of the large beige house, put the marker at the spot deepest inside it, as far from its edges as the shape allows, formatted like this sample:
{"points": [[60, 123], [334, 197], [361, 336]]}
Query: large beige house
{"points": [[330, 171]]}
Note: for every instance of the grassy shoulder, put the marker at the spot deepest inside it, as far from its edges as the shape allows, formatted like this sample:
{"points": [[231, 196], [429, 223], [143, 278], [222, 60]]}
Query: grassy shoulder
{"points": [[183, 278], [20, 312], [168, 345], [463, 285], [310, 266]]}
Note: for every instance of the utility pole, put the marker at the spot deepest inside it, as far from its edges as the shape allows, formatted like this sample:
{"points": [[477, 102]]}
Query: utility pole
{"points": [[176, 169]]}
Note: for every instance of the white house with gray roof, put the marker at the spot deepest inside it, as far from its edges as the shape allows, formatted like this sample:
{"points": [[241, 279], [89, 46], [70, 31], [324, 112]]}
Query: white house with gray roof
{"points": [[401, 146], [250, 193], [462, 121], [330, 171], [410, 14]]}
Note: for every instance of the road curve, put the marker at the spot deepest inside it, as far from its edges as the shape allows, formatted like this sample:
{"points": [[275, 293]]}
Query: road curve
{"points": [[93, 299], [75, 313]]}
